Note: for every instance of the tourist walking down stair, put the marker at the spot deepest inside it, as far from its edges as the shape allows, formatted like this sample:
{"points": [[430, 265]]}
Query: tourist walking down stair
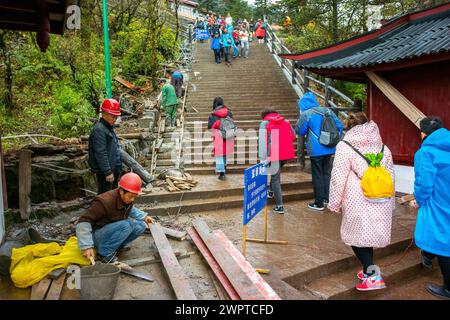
{"points": [[431, 186], [275, 146], [365, 223], [223, 148]]}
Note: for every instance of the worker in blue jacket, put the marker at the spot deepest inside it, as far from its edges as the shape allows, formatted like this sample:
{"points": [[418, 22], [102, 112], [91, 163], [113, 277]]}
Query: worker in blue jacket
{"points": [[431, 192], [309, 123]]}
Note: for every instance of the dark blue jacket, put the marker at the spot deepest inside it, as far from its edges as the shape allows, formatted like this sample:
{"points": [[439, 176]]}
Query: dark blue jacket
{"points": [[310, 122], [104, 149], [431, 191], [215, 44]]}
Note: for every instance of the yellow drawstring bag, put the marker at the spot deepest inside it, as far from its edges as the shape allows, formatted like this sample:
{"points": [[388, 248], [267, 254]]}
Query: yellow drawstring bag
{"points": [[30, 264], [377, 184]]}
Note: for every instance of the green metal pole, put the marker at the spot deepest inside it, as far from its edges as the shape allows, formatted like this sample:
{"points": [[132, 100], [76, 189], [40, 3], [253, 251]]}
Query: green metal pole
{"points": [[107, 59]]}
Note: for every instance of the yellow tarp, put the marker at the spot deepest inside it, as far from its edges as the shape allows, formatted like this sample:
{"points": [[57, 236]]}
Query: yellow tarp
{"points": [[32, 263]]}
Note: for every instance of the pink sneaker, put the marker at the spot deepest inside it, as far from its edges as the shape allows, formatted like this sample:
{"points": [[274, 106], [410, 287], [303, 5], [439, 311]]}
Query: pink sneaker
{"points": [[371, 283], [361, 276]]}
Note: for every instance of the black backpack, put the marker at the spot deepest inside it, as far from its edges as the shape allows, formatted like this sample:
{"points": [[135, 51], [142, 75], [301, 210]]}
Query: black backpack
{"points": [[329, 132]]}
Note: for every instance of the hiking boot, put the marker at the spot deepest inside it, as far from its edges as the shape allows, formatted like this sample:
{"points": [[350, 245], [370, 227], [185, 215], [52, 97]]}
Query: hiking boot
{"points": [[174, 122], [316, 207], [221, 176], [167, 122], [371, 283], [426, 262], [361, 275], [270, 194], [438, 291], [279, 209]]}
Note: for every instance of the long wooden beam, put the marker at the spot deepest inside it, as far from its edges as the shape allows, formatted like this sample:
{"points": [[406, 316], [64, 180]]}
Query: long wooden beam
{"points": [[177, 277], [397, 98], [246, 289], [218, 272]]}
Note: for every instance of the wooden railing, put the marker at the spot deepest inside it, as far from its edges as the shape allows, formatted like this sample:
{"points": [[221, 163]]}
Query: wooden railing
{"points": [[303, 81]]}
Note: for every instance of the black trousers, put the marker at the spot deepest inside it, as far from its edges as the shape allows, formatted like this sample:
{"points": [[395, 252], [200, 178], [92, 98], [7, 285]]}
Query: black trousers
{"points": [[365, 256], [217, 55], [444, 263], [103, 185], [321, 176]]}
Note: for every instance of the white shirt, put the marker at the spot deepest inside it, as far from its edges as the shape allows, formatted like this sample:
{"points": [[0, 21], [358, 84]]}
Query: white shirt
{"points": [[229, 20]]}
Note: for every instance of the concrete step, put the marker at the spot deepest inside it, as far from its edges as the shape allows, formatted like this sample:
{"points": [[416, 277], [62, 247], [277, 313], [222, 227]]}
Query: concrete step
{"points": [[224, 201], [213, 193], [234, 169], [341, 285]]}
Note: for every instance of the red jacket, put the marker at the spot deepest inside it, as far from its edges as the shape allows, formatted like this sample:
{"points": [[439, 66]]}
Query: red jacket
{"points": [[260, 32], [281, 138], [221, 147]]}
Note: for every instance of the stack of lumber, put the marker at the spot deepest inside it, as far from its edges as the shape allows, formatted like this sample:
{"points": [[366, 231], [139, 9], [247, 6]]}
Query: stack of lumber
{"points": [[236, 275], [175, 184], [50, 287]]}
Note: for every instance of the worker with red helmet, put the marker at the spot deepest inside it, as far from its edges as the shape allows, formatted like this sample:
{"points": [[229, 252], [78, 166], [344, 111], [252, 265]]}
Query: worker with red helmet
{"points": [[112, 221], [104, 148]]}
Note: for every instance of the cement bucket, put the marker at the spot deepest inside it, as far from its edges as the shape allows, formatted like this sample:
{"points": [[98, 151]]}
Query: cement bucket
{"points": [[99, 282]]}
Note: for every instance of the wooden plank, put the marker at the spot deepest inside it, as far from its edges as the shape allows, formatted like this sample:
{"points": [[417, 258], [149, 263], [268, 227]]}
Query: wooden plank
{"points": [[219, 289], [240, 281], [39, 290], [397, 98], [25, 183], [55, 274], [56, 288], [174, 234], [246, 267], [151, 260], [177, 277], [218, 272]]}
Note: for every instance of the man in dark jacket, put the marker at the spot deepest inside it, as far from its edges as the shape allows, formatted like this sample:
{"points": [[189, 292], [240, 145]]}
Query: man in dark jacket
{"points": [[104, 149], [112, 222]]}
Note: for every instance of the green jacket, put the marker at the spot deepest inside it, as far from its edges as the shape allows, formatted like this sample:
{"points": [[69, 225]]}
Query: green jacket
{"points": [[168, 97]]}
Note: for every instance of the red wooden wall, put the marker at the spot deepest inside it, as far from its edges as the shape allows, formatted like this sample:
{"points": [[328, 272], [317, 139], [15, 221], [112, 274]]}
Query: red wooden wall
{"points": [[428, 88]]}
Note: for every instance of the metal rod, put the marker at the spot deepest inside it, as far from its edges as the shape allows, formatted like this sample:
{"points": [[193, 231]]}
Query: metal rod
{"points": [[244, 239], [106, 43]]}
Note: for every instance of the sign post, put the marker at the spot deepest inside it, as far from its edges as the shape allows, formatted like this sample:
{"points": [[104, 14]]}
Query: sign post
{"points": [[202, 34], [256, 180]]}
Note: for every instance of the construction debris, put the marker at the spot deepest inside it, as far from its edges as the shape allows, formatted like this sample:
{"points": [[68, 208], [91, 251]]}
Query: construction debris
{"points": [[234, 272], [176, 180]]}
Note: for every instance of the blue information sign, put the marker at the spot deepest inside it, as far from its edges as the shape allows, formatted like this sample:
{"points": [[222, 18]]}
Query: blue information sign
{"points": [[255, 191], [202, 34]]}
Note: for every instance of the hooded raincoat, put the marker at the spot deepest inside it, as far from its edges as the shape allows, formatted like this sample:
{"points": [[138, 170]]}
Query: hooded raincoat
{"points": [[364, 223], [431, 190]]}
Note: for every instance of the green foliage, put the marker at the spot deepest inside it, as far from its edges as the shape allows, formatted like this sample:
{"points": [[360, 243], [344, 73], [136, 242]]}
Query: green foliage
{"points": [[70, 112], [58, 92], [354, 90]]}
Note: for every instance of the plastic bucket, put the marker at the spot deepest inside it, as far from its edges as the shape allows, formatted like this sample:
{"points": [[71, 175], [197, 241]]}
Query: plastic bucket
{"points": [[99, 282]]}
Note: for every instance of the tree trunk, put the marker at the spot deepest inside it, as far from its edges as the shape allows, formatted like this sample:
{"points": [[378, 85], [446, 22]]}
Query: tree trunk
{"points": [[334, 21], [8, 98]]}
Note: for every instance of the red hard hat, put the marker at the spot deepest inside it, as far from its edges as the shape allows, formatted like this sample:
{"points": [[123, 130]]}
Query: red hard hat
{"points": [[131, 182], [111, 106]]}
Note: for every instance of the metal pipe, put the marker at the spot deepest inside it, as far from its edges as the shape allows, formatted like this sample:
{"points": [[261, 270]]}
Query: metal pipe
{"points": [[106, 44]]}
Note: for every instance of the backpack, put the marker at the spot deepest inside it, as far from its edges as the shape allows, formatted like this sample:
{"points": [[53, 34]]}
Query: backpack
{"points": [[377, 184], [329, 132], [227, 129]]}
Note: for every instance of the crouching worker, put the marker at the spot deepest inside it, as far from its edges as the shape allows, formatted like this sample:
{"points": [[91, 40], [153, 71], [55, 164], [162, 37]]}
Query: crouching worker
{"points": [[112, 222]]}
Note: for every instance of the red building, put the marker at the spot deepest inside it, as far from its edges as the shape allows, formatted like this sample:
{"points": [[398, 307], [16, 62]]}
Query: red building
{"points": [[413, 54]]}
